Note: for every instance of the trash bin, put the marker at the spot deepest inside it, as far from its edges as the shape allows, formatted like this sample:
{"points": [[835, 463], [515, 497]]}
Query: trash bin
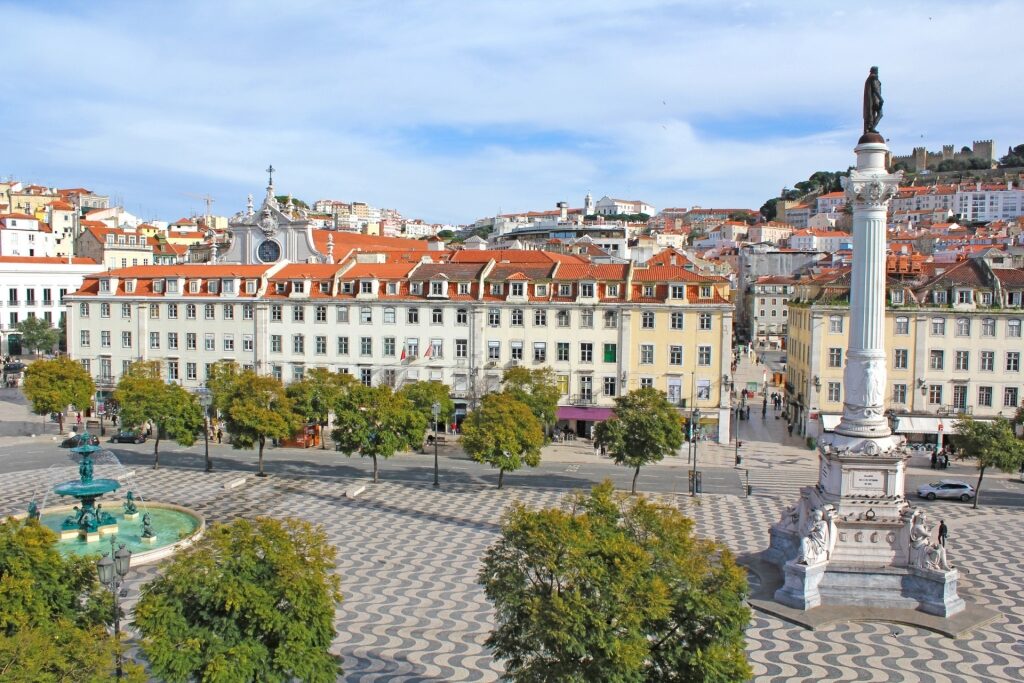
{"points": [[695, 482]]}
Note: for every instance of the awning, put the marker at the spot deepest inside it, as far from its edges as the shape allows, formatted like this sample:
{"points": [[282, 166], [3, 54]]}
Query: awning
{"points": [[577, 413], [927, 425], [830, 422]]}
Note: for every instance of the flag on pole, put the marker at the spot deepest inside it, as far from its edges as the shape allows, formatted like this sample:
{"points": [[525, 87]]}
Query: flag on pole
{"points": [[430, 347], [403, 353]]}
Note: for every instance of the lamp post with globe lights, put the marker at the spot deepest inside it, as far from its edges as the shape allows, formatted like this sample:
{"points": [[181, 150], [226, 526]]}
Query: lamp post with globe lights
{"points": [[111, 574]]}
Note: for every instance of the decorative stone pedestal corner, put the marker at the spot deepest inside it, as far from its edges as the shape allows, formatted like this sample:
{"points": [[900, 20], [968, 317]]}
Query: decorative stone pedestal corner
{"points": [[801, 587], [89, 537], [107, 529], [935, 591], [148, 539], [68, 534], [131, 516]]}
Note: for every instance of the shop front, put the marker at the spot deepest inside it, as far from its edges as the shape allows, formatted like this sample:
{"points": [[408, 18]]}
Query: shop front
{"points": [[579, 421]]}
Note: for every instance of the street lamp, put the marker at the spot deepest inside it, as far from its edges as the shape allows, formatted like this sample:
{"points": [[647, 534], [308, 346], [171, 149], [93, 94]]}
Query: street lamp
{"points": [[206, 400], [695, 421], [435, 410], [111, 574]]}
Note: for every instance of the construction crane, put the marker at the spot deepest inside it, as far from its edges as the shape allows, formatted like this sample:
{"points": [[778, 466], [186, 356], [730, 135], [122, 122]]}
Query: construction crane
{"points": [[208, 200]]}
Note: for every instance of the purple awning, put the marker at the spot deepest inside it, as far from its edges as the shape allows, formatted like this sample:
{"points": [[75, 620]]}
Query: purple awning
{"points": [[577, 413]]}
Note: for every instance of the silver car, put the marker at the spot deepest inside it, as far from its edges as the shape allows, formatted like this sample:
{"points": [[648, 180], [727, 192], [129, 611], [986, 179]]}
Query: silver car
{"points": [[947, 488]]}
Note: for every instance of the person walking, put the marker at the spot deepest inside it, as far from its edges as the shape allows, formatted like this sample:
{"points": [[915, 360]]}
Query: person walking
{"points": [[220, 434], [790, 428], [943, 532], [935, 460], [764, 408]]}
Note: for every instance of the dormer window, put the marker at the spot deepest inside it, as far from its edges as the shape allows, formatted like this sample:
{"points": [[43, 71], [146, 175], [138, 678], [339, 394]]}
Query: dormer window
{"points": [[120, 239], [193, 287], [280, 288], [613, 289], [986, 298], [105, 286], [496, 289], [172, 286], [131, 240], [540, 290], [677, 291], [366, 286], [463, 288], [896, 296], [648, 290], [437, 288], [587, 290], [416, 288], [705, 291], [564, 290], [250, 286], [325, 287], [229, 286], [110, 239], [298, 287], [158, 286], [129, 286], [392, 289], [213, 286], [964, 296], [517, 289], [346, 287], [939, 296]]}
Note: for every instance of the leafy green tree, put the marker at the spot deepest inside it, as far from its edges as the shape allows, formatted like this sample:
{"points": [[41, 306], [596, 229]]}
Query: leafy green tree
{"points": [[37, 334], [992, 444], [257, 409], [221, 383], [53, 385], [316, 393], [503, 433], [566, 583], [377, 423], [144, 396], [254, 600], [645, 429], [538, 389], [423, 396], [52, 611], [446, 235], [1014, 157], [282, 199]]}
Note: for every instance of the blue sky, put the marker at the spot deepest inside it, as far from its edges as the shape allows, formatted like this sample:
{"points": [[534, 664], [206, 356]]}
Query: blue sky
{"points": [[450, 111]]}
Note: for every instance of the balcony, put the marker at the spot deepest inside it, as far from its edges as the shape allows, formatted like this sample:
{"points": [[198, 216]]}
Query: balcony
{"points": [[103, 381], [955, 410], [581, 400]]}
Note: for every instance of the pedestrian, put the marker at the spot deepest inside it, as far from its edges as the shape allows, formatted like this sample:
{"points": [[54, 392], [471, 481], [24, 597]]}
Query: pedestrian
{"points": [[935, 460], [220, 434], [945, 460], [790, 428], [943, 532], [79, 418], [764, 409]]}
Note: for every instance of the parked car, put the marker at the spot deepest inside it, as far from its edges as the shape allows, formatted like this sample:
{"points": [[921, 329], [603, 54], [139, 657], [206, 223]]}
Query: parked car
{"points": [[80, 440], [947, 488], [129, 437]]}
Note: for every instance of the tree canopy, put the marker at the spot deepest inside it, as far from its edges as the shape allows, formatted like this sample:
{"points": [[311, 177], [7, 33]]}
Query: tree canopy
{"points": [[537, 388], [315, 394], [504, 433], [256, 409], [1014, 157], [253, 600], [282, 199], [614, 590], [37, 334], [819, 181], [53, 385], [377, 423], [645, 428], [991, 444], [423, 395], [144, 396]]}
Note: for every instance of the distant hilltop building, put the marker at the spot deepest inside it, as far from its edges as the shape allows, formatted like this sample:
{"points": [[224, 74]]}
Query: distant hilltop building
{"points": [[922, 160]]}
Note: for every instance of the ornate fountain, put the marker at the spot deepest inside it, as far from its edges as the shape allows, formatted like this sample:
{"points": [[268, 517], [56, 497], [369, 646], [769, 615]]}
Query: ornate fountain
{"points": [[88, 520]]}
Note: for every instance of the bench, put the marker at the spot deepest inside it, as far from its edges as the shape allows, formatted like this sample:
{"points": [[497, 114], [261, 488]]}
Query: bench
{"points": [[353, 491], [441, 440], [235, 483]]}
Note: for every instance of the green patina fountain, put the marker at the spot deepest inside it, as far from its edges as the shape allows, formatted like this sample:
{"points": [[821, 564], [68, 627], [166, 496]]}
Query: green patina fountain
{"points": [[88, 520]]}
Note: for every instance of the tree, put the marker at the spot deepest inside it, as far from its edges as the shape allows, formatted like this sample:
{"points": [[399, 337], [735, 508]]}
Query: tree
{"points": [[37, 335], [538, 389], [283, 199], [503, 433], [254, 600], [645, 429], [1014, 157], [446, 235], [257, 409], [53, 385], [314, 395], [377, 423], [992, 444], [566, 584], [145, 397], [221, 383], [52, 611], [423, 396]]}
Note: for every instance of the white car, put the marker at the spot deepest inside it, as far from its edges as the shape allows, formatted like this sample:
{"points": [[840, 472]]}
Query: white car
{"points": [[947, 488]]}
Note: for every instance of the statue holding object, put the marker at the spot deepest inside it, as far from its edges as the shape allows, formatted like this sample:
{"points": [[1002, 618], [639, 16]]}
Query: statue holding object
{"points": [[872, 102]]}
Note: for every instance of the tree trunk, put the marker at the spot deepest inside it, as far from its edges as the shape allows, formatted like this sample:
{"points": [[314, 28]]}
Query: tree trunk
{"points": [[977, 489], [376, 476], [156, 451], [501, 477], [323, 433], [259, 468], [636, 474], [60, 422]]}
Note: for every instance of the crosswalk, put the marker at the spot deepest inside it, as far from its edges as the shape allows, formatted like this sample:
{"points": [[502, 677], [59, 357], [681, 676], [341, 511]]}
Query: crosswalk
{"points": [[780, 482]]}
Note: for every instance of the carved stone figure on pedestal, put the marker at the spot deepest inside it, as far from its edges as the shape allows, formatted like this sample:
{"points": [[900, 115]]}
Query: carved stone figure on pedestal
{"points": [[815, 543], [872, 101], [923, 553]]}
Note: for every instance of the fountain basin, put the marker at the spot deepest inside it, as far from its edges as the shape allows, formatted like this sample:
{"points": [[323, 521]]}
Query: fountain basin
{"points": [[176, 528], [96, 487]]}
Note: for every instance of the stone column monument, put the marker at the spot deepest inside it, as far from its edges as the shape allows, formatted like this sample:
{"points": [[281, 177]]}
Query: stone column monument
{"points": [[853, 539]]}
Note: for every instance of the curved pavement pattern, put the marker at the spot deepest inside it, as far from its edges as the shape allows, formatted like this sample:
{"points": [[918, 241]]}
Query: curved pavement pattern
{"points": [[408, 558]]}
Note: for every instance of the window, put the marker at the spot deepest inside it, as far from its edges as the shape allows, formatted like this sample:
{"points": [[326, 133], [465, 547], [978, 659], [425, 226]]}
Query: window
{"points": [[938, 327], [412, 316], [586, 352], [563, 351], [675, 355], [366, 315], [988, 360], [276, 312], [366, 287], [494, 317], [564, 290], [985, 396], [610, 353], [647, 320], [365, 346], [172, 370], [154, 340], [190, 371], [104, 310], [586, 387], [677, 318], [835, 324], [464, 288], [609, 386], [563, 384], [461, 348], [936, 358], [834, 392], [587, 290], [389, 316], [493, 350], [899, 393], [84, 338], [126, 310], [342, 346], [587, 319], [611, 319], [392, 288], [540, 352], [1013, 361], [961, 360], [940, 296], [496, 289], [704, 355], [988, 327], [901, 359], [935, 394], [250, 286], [297, 373], [517, 350], [126, 340], [320, 345], [461, 316], [646, 354], [964, 296], [563, 318], [209, 312], [677, 291], [412, 349], [341, 314], [540, 290], [209, 342], [705, 321], [247, 342], [986, 298], [229, 342], [517, 317], [896, 296], [83, 310], [963, 327], [154, 311], [366, 376], [517, 289], [320, 313], [1013, 328], [540, 318], [1010, 397], [835, 357], [275, 371], [229, 311], [389, 346], [648, 290], [193, 287], [298, 343], [613, 290], [190, 341], [436, 316], [705, 292], [436, 288], [646, 382]]}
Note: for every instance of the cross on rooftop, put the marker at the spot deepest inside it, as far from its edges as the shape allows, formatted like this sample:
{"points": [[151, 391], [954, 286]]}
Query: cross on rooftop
{"points": [[270, 171]]}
